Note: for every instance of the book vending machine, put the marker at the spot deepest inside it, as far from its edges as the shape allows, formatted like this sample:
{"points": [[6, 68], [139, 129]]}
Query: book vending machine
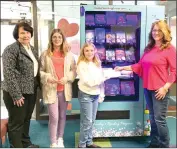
{"points": [[120, 34]]}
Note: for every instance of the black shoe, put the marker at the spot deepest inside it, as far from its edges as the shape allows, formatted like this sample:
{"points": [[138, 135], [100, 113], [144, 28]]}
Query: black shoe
{"points": [[153, 146], [80, 147], [33, 146], [92, 146]]}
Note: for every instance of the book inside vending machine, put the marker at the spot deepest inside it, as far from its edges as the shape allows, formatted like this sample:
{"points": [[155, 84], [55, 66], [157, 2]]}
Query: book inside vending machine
{"points": [[119, 34]]}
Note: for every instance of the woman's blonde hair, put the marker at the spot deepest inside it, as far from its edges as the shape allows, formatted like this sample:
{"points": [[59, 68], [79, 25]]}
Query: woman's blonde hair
{"points": [[166, 35], [82, 57], [63, 48]]}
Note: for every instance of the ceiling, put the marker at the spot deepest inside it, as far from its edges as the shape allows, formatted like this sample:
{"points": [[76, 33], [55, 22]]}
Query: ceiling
{"points": [[47, 5]]}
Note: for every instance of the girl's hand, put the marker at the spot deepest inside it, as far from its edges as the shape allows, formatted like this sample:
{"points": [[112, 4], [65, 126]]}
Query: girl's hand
{"points": [[62, 81], [100, 99], [51, 80], [160, 93], [118, 68]]}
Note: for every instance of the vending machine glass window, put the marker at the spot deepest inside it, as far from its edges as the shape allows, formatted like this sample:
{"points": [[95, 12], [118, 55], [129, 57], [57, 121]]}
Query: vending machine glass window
{"points": [[116, 36]]}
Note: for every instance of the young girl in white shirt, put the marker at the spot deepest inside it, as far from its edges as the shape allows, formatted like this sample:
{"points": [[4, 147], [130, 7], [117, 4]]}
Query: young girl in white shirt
{"points": [[91, 90]]}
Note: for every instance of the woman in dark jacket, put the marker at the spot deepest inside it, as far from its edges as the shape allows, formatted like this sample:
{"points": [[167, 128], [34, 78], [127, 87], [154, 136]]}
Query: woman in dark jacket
{"points": [[20, 70]]}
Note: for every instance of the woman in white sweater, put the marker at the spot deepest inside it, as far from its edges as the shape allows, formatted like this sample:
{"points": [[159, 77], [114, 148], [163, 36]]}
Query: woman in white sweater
{"points": [[91, 90]]}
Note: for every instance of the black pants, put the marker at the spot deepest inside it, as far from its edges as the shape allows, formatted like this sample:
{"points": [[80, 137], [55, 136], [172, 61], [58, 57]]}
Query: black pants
{"points": [[19, 120]]}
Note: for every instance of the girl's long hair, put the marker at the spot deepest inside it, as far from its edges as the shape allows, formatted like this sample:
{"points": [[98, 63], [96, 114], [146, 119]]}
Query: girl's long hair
{"points": [[63, 48], [166, 40], [82, 57]]}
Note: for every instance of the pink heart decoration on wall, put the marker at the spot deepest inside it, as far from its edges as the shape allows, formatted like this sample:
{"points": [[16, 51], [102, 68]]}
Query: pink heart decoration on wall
{"points": [[68, 30]]}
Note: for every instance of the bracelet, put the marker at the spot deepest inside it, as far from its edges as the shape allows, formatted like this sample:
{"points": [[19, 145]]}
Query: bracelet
{"points": [[165, 89]]}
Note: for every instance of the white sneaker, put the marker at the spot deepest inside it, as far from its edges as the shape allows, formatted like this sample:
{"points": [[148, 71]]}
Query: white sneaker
{"points": [[60, 142], [53, 145]]}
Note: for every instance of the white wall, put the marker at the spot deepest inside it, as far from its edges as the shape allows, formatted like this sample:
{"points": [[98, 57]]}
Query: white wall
{"points": [[13, 10]]}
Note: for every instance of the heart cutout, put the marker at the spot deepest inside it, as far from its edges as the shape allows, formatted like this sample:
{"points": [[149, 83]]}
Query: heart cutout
{"points": [[68, 30]]}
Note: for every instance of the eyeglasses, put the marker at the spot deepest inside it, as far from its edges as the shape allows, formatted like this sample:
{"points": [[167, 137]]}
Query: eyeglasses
{"points": [[158, 31], [55, 37]]}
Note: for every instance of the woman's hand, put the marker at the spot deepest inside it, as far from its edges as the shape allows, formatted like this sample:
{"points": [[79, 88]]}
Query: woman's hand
{"points": [[118, 68], [160, 93], [19, 102]]}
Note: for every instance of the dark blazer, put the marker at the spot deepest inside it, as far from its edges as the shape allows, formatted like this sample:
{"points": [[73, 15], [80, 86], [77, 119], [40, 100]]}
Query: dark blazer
{"points": [[18, 70]]}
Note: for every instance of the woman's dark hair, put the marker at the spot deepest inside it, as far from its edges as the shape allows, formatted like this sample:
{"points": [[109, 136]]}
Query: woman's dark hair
{"points": [[25, 26]]}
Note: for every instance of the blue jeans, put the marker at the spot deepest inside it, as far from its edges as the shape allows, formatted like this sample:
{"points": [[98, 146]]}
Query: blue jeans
{"points": [[88, 111], [158, 112]]}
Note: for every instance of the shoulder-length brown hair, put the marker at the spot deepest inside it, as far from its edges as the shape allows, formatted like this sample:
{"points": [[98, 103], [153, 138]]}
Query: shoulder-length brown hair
{"points": [[166, 36], [63, 48], [82, 57]]}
